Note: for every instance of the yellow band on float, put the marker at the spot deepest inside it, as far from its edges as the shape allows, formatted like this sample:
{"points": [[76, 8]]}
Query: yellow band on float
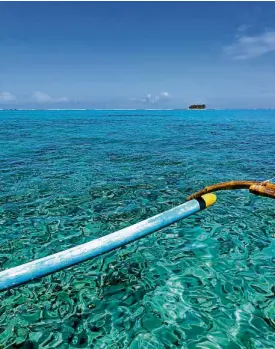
{"points": [[209, 199]]}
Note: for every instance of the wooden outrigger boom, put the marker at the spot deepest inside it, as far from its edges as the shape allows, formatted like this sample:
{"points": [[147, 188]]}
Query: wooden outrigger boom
{"points": [[258, 188]]}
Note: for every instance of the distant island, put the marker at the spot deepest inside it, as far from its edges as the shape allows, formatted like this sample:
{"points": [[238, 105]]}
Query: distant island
{"points": [[197, 106]]}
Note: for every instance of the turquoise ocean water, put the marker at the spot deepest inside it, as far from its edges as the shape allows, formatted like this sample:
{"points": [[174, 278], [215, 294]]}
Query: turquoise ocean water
{"points": [[207, 282]]}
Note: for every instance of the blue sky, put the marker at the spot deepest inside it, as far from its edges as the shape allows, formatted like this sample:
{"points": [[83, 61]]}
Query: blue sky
{"points": [[137, 54]]}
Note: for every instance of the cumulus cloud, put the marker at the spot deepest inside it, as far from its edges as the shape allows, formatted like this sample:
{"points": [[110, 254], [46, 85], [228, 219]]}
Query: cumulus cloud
{"points": [[246, 46], [151, 99], [7, 97], [42, 97]]}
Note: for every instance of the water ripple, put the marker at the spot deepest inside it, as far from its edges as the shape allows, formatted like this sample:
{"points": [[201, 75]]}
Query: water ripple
{"points": [[207, 282]]}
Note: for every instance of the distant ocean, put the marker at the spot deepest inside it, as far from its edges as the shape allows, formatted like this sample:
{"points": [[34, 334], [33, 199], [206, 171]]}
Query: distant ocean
{"points": [[70, 176]]}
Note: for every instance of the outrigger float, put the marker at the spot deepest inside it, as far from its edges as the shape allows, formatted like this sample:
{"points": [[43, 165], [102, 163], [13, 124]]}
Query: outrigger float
{"points": [[197, 202]]}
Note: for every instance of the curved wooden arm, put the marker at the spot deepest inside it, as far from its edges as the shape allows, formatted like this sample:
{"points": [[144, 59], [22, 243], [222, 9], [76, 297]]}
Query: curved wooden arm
{"points": [[264, 189], [257, 188]]}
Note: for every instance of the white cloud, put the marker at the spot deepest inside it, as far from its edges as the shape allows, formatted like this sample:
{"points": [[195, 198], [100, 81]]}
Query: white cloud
{"points": [[42, 97], [7, 97], [150, 99], [243, 28], [165, 95], [246, 47]]}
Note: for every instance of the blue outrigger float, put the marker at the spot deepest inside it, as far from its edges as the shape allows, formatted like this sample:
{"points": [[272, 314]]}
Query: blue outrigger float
{"points": [[44, 266], [19, 275]]}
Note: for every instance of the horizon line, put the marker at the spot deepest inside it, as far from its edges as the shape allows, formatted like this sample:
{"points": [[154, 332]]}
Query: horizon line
{"points": [[129, 109]]}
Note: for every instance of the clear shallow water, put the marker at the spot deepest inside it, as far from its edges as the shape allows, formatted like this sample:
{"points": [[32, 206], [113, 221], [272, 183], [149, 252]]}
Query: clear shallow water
{"points": [[67, 177]]}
